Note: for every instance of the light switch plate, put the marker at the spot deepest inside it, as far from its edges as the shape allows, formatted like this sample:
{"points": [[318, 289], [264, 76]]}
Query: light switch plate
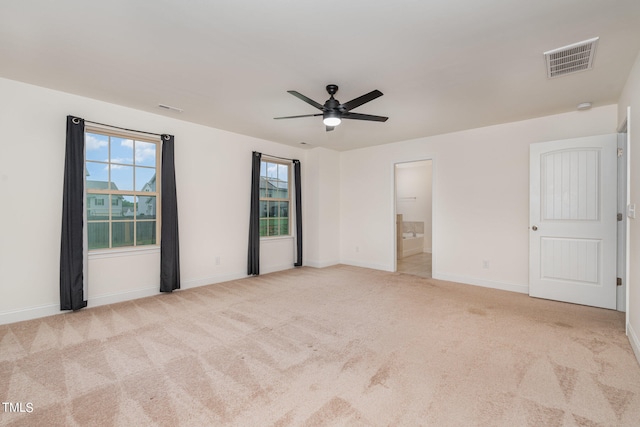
{"points": [[631, 211]]}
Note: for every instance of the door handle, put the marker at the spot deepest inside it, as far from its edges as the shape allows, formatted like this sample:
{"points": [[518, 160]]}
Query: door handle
{"points": [[534, 228]]}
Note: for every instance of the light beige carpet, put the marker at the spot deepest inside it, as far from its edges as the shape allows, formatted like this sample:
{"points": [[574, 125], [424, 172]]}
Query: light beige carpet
{"points": [[334, 346]]}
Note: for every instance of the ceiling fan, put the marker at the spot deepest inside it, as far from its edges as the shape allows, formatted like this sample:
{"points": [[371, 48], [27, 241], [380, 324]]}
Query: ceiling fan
{"points": [[333, 112]]}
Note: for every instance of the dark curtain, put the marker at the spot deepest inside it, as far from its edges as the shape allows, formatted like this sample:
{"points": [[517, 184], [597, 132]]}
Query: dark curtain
{"points": [[298, 185], [253, 264], [71, 246], [169, 247]]}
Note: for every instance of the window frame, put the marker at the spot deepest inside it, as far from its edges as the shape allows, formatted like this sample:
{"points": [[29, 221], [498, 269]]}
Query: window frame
{"points": [[111, 193], [288, 199]]}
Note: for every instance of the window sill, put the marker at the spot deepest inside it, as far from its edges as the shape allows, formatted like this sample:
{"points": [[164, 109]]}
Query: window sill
{"points": [[275, 238], [123, 252]]}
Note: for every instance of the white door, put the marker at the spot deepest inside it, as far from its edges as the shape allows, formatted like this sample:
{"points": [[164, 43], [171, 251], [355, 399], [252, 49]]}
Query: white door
{"points": [[573, 215]]}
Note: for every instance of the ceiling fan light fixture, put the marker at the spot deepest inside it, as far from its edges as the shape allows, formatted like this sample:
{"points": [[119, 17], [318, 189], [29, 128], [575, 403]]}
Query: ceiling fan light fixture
{"points": [[331, 118], [331, 121]]}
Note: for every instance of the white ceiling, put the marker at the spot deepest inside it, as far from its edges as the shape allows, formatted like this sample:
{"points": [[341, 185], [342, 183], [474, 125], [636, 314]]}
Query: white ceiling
{"points": [[442, 65]]}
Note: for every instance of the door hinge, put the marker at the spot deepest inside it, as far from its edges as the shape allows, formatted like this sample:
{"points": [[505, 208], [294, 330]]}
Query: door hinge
{"points": [[620, 152], [619, 217], [618, 281]]}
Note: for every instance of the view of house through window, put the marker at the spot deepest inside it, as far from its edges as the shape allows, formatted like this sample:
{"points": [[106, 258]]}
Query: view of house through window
{"points": [[122, 195], [274, 199]]}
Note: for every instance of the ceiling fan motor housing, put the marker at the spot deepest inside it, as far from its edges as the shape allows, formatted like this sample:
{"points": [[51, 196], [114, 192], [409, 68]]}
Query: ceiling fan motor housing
{"points": [[332, 89]]}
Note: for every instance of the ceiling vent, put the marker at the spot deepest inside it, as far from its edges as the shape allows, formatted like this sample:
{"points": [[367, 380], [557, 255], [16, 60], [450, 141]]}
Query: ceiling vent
{"points": [[571, 59]]}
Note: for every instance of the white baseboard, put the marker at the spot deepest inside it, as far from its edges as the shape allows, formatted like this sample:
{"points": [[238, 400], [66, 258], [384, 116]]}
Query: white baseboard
{"points": [[114, 298], [367, 265], [274, 268], [203, 281], [53, 309], [49, 310], [321, 264], [96, 301], [29, 313], [635, 342], [523, 289]]}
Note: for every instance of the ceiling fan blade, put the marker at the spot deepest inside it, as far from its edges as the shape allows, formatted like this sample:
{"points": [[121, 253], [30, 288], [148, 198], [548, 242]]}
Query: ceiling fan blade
{"points": [[330, 128], [350, 105], [369, 117], [296, 117], [305, 99]]}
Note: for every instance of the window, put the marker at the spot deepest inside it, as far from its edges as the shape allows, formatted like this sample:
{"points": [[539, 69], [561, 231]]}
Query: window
{"points": [[122, 196], [274, 199]]}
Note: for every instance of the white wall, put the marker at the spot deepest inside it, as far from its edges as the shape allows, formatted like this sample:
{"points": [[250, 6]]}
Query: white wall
{"points": [[213, 171], [480, 197], [480, 200], [631, 98], [321, 197], [413, 195]]}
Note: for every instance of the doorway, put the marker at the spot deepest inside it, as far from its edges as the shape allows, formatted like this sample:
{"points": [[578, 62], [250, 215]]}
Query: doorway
{"points": [[414, 217]]}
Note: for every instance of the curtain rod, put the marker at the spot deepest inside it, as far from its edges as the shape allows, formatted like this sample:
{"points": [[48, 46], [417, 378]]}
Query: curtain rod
{"points": [[276, 157], [118, 127]]}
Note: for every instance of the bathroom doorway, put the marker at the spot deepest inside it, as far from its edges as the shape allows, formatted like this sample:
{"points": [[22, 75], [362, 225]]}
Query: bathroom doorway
{"points": [[414, 217]]}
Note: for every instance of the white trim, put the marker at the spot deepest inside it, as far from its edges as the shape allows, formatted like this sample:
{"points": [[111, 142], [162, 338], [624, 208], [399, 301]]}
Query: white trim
{"points": [[29, 313], [123, 296], [267, 239], [96, 301], [322, 264], [628, 237], [274, 268], [51, 310], [503, 286], [123, 252], [210, 280], [368, 265], [635, 342]]}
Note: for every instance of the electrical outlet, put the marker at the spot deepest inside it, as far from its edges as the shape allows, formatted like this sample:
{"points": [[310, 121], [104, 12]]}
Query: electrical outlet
{"points": [[485, 264], [217, 260], [357, 249]]}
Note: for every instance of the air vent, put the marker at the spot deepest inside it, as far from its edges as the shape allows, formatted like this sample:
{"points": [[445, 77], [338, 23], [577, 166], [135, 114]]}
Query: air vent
{"points": [[571, 59]]}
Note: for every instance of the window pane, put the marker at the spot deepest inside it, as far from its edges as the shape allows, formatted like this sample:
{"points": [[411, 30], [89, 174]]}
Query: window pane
{"points": [[97, 206], [263, 208], [121, 177], [97, 176], [272, 227], [283, 173], [284, 226], [263, 169], [145, 233], [97, 147], [284, 209], [121, 150], [278, 189], [263, 227], [98, 234], [273, 209], [272, 170], [117, 164], [122, 234], [145, 153], [146, 207], [145, 179], [124, 208]]}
